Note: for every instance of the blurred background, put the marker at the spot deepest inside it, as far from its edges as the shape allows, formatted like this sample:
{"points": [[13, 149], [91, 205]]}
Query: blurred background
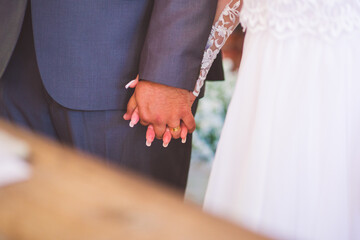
{"points": [[210, 118]]}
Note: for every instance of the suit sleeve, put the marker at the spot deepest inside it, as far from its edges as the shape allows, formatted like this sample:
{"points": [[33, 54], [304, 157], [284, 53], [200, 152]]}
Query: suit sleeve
{"points": [[11, 18], [175, 42]]}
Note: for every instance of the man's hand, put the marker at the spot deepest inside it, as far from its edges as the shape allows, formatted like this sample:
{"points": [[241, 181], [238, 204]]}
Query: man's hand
{"points": [[162, 106]]}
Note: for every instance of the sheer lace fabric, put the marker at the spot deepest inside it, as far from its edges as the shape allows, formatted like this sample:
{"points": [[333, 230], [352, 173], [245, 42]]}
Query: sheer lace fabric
{"points": [[220, 32], [325, 19]]}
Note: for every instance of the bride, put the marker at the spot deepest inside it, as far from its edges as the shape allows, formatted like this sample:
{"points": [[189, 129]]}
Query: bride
{"points": [[288, 160]]}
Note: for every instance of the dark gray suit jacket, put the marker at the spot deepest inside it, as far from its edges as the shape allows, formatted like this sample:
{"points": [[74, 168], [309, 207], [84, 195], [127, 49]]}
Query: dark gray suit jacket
{"points": [[88, 50], [11, 18]]}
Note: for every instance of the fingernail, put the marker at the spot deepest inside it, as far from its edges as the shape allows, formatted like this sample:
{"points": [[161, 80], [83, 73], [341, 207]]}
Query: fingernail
{"points": [[148, 143], [183, 140], [165, 145], [134, 119], [124, 117], [131, 124], [128, 85]]}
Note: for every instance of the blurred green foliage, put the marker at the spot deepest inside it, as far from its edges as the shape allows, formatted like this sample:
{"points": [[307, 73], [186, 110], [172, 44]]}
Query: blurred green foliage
{"points": [[211, 114]]}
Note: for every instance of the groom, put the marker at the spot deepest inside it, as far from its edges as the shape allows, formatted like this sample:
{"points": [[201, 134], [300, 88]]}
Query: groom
{"points": [[64, 65]]}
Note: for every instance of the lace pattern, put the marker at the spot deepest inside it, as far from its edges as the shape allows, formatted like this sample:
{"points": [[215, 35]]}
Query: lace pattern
{"points": [[325, 18], [220, 32]]}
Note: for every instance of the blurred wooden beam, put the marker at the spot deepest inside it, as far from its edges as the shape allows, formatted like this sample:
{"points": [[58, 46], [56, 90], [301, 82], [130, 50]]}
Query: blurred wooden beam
{"points": [[74, 196]]}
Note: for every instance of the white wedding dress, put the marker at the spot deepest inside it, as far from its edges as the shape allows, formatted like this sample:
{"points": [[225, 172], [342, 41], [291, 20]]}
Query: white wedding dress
{"points": [[288, 160]]}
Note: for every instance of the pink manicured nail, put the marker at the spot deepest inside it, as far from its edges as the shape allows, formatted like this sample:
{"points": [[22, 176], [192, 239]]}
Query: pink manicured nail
{"points": [[134, 119], [166, 138], [129, 84], [184, 133], [150, 135]]}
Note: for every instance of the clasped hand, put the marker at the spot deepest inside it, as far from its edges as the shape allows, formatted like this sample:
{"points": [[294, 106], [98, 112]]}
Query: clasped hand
{"points": [[166, 111]]}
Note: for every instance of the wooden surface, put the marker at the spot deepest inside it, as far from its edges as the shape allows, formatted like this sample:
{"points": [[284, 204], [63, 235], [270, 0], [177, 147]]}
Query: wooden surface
{"points": [[73, 196]]}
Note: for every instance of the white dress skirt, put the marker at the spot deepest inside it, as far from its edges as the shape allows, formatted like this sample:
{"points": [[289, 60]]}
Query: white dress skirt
{"points": [[288, 160]]}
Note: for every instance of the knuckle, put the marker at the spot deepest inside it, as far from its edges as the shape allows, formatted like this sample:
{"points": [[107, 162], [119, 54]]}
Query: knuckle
{"points": [[144, 123], [193, 128], [184, 112], [174, 122], [144, 116], [158, 119]]}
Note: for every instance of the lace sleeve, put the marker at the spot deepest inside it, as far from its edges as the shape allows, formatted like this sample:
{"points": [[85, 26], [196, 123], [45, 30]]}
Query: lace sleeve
{"points": [[220, 32]]}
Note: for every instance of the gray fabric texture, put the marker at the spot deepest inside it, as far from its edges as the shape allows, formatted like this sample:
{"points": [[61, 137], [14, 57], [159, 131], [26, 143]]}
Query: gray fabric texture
{"points": [[88, 50], [11, 17], [68, 84]]}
